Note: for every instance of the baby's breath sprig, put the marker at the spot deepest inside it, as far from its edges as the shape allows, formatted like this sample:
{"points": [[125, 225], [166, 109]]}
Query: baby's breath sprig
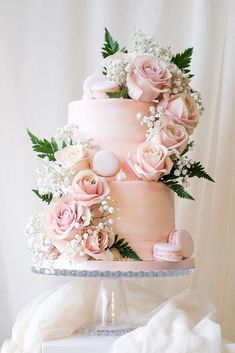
{"points": [[183, 169], [153, 120]]}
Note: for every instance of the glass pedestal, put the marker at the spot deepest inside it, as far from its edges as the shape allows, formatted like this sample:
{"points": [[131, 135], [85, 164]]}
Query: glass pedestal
{"points": [[110, 310]]}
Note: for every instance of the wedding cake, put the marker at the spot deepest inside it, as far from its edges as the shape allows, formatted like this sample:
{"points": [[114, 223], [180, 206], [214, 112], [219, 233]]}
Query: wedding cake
{"points": [[110, 175]]}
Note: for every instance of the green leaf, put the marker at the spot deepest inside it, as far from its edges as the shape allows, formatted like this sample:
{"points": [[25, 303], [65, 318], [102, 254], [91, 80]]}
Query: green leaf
{"points": [[44, 148], [110, 46], [120, 94], [46, 198], [198, 170], [125, 249], [54, 144], [183, 60], [178, 189], [64, 144], [190, 144]]}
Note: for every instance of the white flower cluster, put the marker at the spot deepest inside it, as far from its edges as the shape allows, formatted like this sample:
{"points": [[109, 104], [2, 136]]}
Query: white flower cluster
{"points": [[117, 71], [182, 165], [153, 120], [53, 178], [179, 80], [144, 44], [35, 242], [107, 209], [198, 100], [70, 135]]}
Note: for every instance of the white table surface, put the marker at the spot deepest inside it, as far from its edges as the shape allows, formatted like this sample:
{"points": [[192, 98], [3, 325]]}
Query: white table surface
{"points": [[80, 344]]}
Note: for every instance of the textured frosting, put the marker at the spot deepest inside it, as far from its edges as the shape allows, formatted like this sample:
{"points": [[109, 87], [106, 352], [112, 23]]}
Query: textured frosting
{"points": [[112, 123], [146, 214], [146, 208]]}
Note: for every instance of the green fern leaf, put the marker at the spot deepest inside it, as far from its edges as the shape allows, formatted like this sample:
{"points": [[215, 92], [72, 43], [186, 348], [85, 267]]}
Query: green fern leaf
{"points": [[46, 198], [125, 249], [183, 60], [120, 94], [43, 148], [110, 46], [178, 189], [198, 170]]}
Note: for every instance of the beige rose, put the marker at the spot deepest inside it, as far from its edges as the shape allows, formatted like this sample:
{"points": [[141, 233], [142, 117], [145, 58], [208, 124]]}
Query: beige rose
{"points": [[150, 162], [182, 110], [73, 157], [89, 188], [172, 136]]}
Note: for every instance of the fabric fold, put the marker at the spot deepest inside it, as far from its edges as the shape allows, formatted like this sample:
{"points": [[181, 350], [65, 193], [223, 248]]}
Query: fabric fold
{"points": [[183, 324]]}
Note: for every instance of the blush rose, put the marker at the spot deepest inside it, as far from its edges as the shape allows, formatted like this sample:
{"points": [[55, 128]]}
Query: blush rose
{"points": [[172, 136], [182, 109], [147, 78], [65, 217], [89, 188], [97, 243], [150, 162]]}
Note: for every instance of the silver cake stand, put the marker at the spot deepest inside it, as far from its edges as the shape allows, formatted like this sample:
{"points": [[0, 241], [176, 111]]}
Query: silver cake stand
{"points": [[110, 310]]}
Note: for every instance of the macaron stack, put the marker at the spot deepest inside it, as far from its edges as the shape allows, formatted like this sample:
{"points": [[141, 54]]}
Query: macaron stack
{"points": [[179, 247]]}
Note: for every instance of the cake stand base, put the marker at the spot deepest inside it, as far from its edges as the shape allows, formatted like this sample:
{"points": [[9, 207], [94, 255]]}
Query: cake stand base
{"points": [[111, 316], [110, 311], [99, 330]]}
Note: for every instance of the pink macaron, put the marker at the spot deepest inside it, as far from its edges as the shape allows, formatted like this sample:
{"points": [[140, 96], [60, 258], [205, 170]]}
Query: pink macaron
{"points": [[106, 163], [183, 239], [100, 89], [167, 252]]}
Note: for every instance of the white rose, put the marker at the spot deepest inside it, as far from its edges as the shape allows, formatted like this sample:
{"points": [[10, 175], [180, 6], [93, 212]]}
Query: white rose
{"points": [[71, 156]]}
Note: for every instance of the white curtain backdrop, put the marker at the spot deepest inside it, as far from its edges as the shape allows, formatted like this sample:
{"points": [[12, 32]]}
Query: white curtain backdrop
{"points": [[47, 50]]}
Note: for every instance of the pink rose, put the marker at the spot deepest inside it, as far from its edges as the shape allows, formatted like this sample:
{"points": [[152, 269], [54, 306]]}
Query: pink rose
{"points": [[96, 86], [97, 240], [65, 217], [52, 252], [147, 78], [182, 109], [150, 162], [73, 157], [172, 136], [89, 188]]}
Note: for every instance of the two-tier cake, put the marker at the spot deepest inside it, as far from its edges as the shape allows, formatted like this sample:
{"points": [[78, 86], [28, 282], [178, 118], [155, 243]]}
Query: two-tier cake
{"points": [[109, 176]]}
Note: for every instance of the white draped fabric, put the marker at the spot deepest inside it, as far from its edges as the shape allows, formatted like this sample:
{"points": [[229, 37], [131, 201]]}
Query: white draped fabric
{"points": [[47, 50], [184, 323]]}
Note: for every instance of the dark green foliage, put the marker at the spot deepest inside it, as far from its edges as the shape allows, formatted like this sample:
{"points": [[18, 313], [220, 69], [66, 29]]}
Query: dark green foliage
{"points": [[43, 148], [190, 144], [125, 249], [46, 198], [123, 93], [183, 60], [198, 170], [178, 189], [110, 46]]}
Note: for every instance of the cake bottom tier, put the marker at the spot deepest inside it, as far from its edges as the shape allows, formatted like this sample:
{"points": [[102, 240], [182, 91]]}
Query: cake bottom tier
{"points": [[146, 214]]}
